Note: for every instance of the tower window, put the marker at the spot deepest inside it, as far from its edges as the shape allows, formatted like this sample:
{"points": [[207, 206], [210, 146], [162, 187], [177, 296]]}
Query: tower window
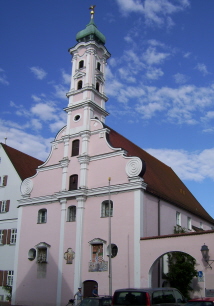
{"points": [[42, 216], [79, 85], [81, 64], [73, 182], [98, 66], [97, 86], [71, 214], [75, 147]]}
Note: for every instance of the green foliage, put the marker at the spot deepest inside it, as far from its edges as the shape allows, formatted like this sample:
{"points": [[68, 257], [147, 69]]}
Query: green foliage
{"points": [[9, 291], [181, 272], [179, 229]]}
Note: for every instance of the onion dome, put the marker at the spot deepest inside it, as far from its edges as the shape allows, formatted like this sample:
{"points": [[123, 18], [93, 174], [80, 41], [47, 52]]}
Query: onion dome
{"points": [[91, 32]]}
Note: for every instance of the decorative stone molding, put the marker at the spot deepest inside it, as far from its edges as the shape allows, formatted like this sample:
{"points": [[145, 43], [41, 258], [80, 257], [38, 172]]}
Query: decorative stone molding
{"points": [[84, 159], [64, 162], [134, 167], [26, 187]]}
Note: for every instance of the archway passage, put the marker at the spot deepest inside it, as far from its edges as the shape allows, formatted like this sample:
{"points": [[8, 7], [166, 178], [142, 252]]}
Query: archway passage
{"points": [[189, 243], [88, 287], [177, 270]]}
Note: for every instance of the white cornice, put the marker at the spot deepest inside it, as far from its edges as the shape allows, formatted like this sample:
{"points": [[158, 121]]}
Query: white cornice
{"points": [[138, 184], [89, 88], [87, 103]]}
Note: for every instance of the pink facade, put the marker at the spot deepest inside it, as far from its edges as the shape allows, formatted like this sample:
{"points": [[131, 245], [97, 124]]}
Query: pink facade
{"points": [[64, 213]]}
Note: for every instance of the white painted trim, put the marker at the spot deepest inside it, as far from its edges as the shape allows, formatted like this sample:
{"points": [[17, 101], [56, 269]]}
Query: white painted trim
{"points": [[138, 206], [61, 253], [17, 255]]}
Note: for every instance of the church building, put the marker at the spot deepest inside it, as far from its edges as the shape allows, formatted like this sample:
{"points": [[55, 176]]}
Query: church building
{"points": [[83, 214]]}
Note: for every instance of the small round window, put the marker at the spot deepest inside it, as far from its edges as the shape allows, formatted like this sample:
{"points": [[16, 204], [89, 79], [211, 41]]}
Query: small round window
{"points": [[77, 118], [114, 250]]}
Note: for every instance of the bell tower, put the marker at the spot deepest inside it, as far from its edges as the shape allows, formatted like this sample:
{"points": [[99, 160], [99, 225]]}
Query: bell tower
{"points": [[86, 97]]}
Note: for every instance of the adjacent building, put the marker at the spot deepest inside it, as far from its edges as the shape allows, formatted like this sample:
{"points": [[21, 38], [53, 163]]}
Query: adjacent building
{"points": [[96, 194], [15, 166]]}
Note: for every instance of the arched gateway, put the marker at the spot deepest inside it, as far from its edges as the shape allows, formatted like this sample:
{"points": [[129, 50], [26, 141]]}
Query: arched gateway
{"points": [[153, 248]]}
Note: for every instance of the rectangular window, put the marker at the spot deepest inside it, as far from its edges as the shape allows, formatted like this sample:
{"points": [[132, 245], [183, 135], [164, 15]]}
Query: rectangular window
{"points": [[189, 223], [72, 213], [178, 218], [10, 278], [13, 236], [3, 206], [201, 225], [3, 180], [105, 209], [1, 236]]}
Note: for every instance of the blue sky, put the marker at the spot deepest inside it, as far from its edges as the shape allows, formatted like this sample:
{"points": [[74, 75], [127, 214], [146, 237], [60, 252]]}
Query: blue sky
{"points": [[160, 77]]}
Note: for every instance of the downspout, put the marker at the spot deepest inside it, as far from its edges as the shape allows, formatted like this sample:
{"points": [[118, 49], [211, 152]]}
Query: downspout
{"points": [[159, 266]]}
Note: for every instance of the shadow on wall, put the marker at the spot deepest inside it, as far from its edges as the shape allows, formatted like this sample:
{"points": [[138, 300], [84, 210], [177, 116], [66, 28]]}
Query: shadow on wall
{"points": [[39, 286]]}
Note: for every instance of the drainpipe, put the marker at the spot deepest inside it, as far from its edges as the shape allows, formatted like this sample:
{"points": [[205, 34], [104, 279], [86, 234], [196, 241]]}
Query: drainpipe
{"points": [[159, 266]]}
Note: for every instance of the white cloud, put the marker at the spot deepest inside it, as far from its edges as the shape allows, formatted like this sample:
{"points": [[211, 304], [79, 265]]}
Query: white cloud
{"points": [[152, 56], [155, 12], [66, 77], [202, 68], [39, 73], [194, 166], [60, 91], [180, 78], [28, 143], [3, 78], [36, 98], [154, 73], [45, 111]]}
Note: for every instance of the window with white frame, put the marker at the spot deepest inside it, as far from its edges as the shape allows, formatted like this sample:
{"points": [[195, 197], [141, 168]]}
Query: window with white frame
{"points": [[178, 218], [189, 223], [13, 236], [1, 236], [10, 278], [42, 216], [71, 214], [105, 208], [3, 180], [3, 206]]}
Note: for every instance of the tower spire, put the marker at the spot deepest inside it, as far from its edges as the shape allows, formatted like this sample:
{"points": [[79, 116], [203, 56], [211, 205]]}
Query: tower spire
{"points": [[92, 11]]}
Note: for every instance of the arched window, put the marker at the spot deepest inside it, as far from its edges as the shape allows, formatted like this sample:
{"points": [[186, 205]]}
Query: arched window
{"points": [[42, 215], [98, 66], [71, 217], [97, 86], [105, 209], [75, 147], [79, 85], [73, 182], [81, 64]]}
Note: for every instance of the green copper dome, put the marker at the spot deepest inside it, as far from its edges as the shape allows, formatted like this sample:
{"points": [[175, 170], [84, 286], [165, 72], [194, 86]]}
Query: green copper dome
{"points": [[91, 33]]}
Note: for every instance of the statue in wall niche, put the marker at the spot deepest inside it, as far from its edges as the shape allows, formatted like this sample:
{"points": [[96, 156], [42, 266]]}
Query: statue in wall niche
{"points": [[69, 256]]}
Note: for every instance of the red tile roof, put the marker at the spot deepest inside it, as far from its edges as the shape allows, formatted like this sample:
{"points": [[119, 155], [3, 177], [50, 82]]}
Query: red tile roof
{"points": [[24, 164], [161, 180]]}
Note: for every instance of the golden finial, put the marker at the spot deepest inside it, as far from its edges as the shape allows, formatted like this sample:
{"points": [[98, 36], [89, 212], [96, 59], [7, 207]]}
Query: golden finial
{"points": [[92, 10]]}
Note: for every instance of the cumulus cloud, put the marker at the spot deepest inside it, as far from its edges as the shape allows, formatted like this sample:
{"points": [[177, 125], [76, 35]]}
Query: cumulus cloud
{"points": [[194, 166], [152, 56], [38, 72], [34, 145], [156, 12]]}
